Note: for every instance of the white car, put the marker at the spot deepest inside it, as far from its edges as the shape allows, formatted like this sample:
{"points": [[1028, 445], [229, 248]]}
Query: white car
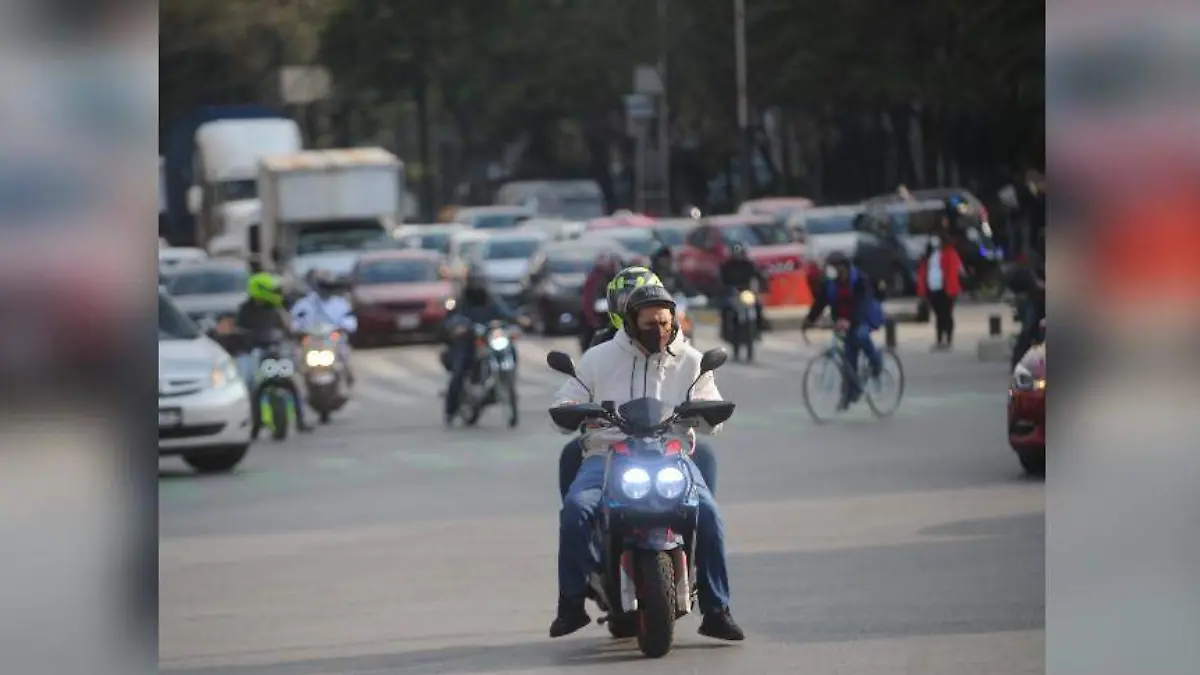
{"points": [[203, 405]]}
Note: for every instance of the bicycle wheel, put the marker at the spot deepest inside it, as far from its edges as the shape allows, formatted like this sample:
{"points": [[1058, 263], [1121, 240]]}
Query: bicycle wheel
{"points": [[883, 395], [826, 385]]}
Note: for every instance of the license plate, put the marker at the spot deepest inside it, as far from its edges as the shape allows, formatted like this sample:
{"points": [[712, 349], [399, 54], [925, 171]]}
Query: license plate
{"points": [[408, 321], [324, 377], [169, 417]]}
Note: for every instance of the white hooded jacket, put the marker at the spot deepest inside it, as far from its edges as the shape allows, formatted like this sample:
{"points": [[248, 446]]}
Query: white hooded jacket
{"points": [[619, 371]]}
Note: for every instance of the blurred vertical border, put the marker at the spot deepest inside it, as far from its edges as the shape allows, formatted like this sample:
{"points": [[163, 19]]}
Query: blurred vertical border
{"points": [[78, 485], [1123, 481]]}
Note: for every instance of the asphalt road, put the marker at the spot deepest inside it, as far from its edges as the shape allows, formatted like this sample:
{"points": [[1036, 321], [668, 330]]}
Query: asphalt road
{"points": [[384, 543]]}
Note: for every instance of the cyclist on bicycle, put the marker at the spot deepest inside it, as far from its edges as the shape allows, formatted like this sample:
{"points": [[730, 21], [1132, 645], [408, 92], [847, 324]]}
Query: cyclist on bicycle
{"points": [[854, 304]]}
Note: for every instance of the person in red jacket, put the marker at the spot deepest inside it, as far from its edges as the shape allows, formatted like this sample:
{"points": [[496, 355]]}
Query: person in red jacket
{"points": [[595, 287], [939, 281]]}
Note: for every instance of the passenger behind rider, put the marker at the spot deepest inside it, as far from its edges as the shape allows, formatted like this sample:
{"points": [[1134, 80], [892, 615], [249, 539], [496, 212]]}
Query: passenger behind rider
{"points": [[854, 305], [324, 305], [619, 289], [594, 288], [262, 317], [474, 305], [648, 358], [738, 273]]}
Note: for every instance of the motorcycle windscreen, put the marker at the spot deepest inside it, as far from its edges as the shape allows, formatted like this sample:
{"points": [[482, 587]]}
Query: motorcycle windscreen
{"points": [[644, 412]]}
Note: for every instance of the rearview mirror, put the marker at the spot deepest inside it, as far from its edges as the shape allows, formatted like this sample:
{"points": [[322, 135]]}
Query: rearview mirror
{"points": [[562, 363], [712, 359], [573, 415], [712, 412]]}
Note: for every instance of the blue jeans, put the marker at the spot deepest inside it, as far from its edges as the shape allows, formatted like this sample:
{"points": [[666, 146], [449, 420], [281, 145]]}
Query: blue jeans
{"points": [[576, 559], [858, 341]]}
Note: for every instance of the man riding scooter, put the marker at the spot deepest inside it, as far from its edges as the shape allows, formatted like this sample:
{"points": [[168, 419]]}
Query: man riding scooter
{"points": [[325, 305], [261, 316], [619, 289], [856, 310], [738, 274], [648, 358], [475, 305]]}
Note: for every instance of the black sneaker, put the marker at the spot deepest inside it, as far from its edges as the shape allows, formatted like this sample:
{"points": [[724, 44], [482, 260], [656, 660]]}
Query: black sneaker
{"points": [[571, 616], [720, 625]]}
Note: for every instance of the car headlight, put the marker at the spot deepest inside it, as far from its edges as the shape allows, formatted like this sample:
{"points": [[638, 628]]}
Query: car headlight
{"points": [[1023, 379], [635, 483], [498, 342], [747, 297], [317, 358], [669, 483], [224, 373], [450, 304]]}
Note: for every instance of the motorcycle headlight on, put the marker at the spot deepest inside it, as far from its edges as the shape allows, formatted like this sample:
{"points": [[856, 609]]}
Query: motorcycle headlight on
{"points": [[317, 358], [747, 297], [669, 482], [498, 341], [635, 483]]}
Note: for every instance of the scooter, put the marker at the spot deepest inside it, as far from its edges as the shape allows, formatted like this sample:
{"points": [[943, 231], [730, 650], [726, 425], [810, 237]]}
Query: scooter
{"points": [[325, 376], [741, 330], [494, 377], [274, 388]]}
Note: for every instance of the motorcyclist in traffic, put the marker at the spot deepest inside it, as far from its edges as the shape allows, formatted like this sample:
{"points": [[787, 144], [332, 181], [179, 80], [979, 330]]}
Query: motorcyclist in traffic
{"points": [[738, 273], [626, 282], [324, 305], [663, 265], [474, 305], [261, 316], [854, 305], [595, 287], [648, 358]]}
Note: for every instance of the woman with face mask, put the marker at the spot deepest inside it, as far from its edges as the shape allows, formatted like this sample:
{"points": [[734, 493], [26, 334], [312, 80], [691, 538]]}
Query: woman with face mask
{"points": [[939, 281]]}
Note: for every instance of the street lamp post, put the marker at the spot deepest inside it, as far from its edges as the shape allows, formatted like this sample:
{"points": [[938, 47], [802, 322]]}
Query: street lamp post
{"points": [[743, 112], [664, 125]]}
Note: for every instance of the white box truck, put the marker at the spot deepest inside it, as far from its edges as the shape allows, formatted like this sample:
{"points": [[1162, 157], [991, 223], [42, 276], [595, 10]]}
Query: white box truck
{"points": [[322, 202]]}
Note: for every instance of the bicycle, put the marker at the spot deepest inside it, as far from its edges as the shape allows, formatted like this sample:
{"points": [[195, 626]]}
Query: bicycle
{"points": [[836, 375]]}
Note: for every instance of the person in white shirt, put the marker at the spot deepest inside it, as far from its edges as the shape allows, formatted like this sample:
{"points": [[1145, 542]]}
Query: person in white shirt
{"points": [[325, 306], [649, 358]]}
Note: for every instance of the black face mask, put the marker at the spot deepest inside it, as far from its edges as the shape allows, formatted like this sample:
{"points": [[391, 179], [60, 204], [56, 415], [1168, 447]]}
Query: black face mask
{"points": [[652, 340]]}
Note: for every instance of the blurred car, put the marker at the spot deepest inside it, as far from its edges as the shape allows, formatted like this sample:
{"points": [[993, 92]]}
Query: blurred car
{"points": [[1027, 410], [464, 245], [553, 288], [493, 217], [171, 256], [399, 294], [556, 229], [640, 241], [618, 220], [203, 405], [673, 232], [429, 237], [768, 243], [776, 207], [504, 257], [337, 263], [206, 290]]}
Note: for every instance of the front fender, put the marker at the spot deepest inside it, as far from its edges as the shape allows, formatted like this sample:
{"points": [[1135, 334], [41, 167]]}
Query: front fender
{"points": [[658, 539]]}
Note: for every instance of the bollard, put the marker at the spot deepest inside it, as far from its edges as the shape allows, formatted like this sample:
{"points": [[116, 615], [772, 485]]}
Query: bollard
{"points": [[994, 325], [889, 332]]}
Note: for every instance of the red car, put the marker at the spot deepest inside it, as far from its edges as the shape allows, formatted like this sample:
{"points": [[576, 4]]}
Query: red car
{"points": [[768, 242], [400, 294], [1027, 410]]}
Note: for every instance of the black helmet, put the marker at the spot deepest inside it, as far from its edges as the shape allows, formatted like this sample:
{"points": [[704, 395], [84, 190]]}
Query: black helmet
{"points": [[737, 249], [648, 296], [663, 251], [837, 258]]}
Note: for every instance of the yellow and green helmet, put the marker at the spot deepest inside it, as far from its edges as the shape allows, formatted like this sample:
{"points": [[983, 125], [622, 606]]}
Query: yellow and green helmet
{"points": [[622, 285]]}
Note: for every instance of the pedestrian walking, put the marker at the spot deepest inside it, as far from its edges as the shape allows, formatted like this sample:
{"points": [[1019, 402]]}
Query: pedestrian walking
{"points": [[939, 279]]}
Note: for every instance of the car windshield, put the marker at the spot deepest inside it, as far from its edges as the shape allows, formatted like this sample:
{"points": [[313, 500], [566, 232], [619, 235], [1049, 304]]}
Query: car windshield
{"points": [[496, 221], [829, 223], [582, 208], [640, 244], [207, 282], [439, 242], [397, 272], [510, 249], [672, 236], [756, 235], [174, 324], [576, 262], [347, 237]]}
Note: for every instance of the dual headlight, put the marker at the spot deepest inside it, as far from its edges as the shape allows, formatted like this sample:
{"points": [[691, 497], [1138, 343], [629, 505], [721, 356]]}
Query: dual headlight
{"points": [[498, 342], [318, 358], [668, 483]]}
